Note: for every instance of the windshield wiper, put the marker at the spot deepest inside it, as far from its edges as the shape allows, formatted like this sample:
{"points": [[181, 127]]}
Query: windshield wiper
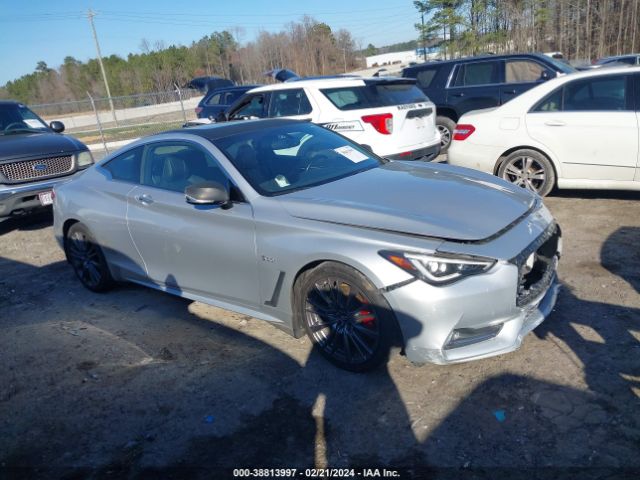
{"points": [[22, 130]]}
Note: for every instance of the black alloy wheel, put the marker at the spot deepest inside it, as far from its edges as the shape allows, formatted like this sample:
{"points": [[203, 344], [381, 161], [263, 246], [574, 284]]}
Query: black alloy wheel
{"points": [[87, 260], [346, 318]]}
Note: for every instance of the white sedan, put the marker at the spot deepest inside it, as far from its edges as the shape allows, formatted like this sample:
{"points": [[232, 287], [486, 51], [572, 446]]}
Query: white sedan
{"points": [[576, 131]]}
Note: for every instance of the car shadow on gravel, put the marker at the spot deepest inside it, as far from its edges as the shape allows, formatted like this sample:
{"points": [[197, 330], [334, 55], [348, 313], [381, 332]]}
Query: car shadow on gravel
{"points": [[596, 194], [35, 221], [162, 389]]}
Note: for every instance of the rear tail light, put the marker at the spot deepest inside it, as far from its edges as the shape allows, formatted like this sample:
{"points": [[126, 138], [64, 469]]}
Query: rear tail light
{"points": [[462, 131], [382, 122], [198, 110]]}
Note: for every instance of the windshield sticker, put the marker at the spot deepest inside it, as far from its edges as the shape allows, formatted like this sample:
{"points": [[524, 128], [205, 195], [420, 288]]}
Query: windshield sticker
{"points": [[33, 123], [351, 153], [350, 126]]}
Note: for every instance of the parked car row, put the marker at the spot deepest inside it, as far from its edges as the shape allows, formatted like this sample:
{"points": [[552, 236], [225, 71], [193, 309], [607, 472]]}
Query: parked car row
{"points": [[461, 85], [296, 207]]}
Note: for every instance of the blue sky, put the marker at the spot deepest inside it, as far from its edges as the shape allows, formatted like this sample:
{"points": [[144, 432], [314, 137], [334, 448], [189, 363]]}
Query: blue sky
{"points": [[49, 30]]}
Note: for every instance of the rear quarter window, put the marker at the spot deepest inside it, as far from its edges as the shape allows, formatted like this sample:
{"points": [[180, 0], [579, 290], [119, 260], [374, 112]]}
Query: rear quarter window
{"points": [[425, 77], [373, 96]]}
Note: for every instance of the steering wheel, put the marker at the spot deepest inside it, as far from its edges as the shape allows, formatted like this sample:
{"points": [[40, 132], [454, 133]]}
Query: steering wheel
{"points": [[14, 124], [313, 160]]}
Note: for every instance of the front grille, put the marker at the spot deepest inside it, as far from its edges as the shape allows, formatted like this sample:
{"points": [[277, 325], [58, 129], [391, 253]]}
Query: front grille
{"points": [[536, 276], [40, 168]]}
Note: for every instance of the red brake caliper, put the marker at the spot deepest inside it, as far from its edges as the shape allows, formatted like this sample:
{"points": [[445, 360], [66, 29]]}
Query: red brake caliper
{"points": [[366, 317]]}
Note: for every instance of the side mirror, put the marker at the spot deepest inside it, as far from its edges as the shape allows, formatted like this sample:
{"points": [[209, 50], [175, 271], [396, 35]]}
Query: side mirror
{"points": [[57, 126], [208, 193], [221, 117]]}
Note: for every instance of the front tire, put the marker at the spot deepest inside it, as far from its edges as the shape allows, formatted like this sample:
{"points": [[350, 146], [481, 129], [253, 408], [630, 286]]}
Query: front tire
{"points": [[445, 126], [86, 258], [347, 319], [529, 169]]}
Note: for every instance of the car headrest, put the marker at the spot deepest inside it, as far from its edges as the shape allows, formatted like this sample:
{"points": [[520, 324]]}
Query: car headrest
{"points": [[175, 168], [246, 158]]}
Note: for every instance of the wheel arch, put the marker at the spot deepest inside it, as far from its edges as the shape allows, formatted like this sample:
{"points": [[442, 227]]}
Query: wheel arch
{"points": [[296, 323], [447, 112], [511, 150], [65, 229]]}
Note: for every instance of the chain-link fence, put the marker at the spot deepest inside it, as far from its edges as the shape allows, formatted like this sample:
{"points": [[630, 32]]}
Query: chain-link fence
{"points": [[105, 124]]}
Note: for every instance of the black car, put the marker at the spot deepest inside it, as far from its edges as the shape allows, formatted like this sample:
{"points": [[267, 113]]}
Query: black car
{"points": [[216, 101], [632, 59], [34, 157], [465, 84], [207, 84]]}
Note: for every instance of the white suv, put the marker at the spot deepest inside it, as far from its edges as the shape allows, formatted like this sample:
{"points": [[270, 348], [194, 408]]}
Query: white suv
{"points": [[391, 116]]}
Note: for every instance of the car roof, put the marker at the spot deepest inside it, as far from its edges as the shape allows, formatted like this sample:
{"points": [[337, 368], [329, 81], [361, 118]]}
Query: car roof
{"points": [[346, 81], [602, 71], [225, 129], [235, 87], [10, 102], [539, 92], [477, 57]]}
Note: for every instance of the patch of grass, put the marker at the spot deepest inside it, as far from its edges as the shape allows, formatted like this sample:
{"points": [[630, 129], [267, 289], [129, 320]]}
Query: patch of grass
{"points": [[126, 133]]}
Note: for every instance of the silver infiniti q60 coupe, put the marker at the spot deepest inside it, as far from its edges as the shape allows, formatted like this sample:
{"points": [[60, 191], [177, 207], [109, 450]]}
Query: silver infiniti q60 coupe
{"points": [[297, 225]]}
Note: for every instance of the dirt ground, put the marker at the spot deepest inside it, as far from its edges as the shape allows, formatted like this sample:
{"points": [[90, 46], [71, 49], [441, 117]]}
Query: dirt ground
{"points": [[139, 384]]}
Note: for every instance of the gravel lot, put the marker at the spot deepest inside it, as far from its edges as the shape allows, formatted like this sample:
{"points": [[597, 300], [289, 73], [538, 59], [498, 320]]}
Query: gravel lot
{"points": [[136, 383]]}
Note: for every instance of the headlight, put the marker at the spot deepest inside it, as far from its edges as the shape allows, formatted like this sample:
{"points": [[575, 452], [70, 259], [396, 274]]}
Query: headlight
{"points": [[438, 269], [84, 159]]}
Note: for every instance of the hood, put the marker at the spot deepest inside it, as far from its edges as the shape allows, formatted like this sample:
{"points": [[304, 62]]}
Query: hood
{"points": [[439, 201], [26, 145]]}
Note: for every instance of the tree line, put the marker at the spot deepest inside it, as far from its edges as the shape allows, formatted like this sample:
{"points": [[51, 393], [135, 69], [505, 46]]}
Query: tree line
{"points": [[582, 30], [308, 47]]}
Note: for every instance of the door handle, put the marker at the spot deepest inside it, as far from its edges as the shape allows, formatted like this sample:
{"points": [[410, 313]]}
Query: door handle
{"points": [[144, 199], [555, 123], [510, 92], [461, 94]]}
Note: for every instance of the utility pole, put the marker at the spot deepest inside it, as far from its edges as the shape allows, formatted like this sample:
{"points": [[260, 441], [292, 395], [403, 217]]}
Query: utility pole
{"points": [[90, 15], [424, 40]]}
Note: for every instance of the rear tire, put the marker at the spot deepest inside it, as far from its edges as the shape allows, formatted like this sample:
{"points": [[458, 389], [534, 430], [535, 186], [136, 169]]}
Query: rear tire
{"points": [[347, 319], [445, 126], [86, 258], [529, 169]]}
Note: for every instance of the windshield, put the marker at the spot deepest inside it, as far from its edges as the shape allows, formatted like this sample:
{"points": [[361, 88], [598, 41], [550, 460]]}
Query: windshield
{"points": [[375, 95], [16, 118], [278, 160]]}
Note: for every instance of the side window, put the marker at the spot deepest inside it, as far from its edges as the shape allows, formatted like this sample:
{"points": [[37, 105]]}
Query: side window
{"points": [[253, 108], [607, 93], [627, 60], [126, 167], [425, 77], [551, 103], [476, 73], [285, 103], [174, 166], [215, 99], [523, 71]]}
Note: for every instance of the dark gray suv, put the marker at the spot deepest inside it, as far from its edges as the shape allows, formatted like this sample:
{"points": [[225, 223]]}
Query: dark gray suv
{"points": [[34, 157], [464, 84]]}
